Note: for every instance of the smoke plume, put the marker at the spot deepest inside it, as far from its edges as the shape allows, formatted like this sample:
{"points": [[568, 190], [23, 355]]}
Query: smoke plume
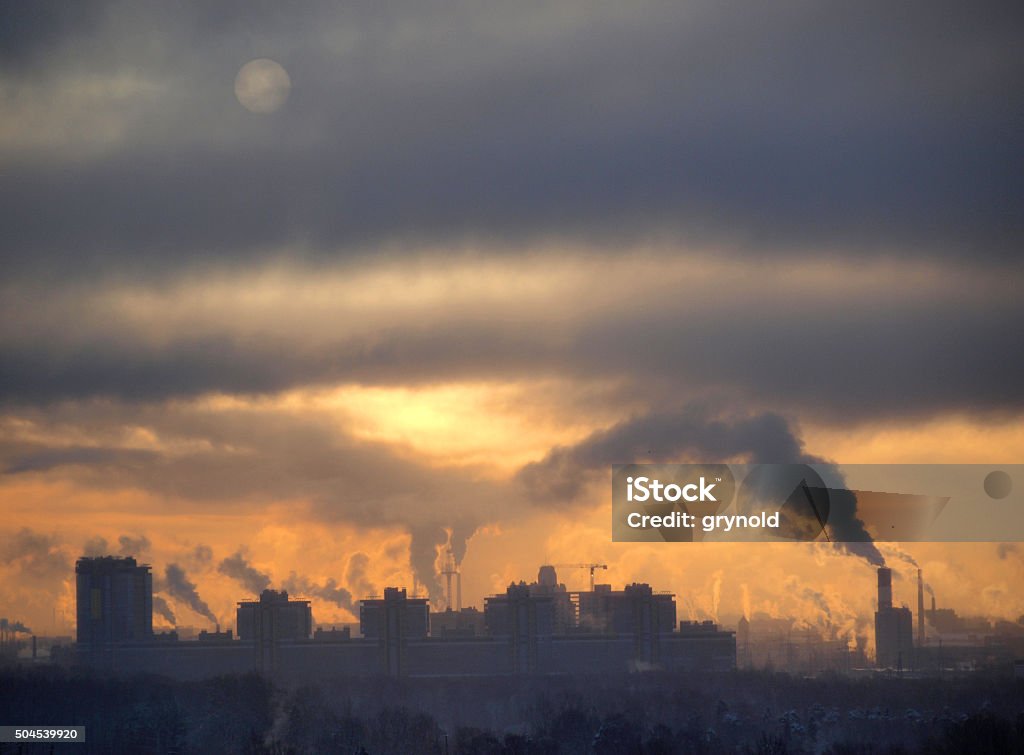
{"points": [[132, 546], [329, 591], [95, 547], [423, 549], [355, 575], [177, 585], [902, 556], [161, 607], [238, 568], [695, 433], [36, 555], [690, 433]]}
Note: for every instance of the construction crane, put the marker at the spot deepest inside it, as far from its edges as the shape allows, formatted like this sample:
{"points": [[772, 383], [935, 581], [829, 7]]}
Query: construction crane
{"points": [[591, 567]]}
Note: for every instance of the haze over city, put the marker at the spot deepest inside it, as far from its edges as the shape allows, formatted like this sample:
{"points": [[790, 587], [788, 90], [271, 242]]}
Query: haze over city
{"points": [[420, 288]]}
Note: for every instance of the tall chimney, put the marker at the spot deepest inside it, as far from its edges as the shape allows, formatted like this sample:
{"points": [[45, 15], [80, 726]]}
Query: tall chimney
{"points": [[884, 588], [933, 604], [920, 610]]}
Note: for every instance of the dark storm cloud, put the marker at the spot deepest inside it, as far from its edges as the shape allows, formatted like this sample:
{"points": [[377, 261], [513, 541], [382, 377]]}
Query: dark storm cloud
{"points": [[29, 30], [771, 131], [841, 126], [50, 458], [819, 351]]}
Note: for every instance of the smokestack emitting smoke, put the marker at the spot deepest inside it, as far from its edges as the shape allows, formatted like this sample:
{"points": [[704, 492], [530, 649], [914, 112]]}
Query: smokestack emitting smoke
{"points": [[920, 610], [884, 588]]}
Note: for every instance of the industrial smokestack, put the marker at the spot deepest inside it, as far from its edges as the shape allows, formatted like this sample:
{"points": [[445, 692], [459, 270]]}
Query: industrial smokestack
{"points": [[933, 604], [920, 610], [884, 588]]}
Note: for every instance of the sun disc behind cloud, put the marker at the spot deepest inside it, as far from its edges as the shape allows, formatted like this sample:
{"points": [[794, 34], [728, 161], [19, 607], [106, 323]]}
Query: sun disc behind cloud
{"points": [[262, 85]]}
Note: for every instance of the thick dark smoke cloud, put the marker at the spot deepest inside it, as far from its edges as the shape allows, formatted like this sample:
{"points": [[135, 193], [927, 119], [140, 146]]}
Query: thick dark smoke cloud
{"points": [[160, 606], [239, 569], [695, 433], [178, 586], [846, 528]]}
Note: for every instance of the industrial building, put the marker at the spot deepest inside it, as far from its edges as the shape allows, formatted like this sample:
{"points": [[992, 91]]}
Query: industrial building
{"points": [[786, 643], [945, 642], [894, 635], [519, 633]]}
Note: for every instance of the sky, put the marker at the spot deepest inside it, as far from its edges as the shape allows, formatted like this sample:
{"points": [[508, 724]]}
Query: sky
{"points": [[456, 259]]}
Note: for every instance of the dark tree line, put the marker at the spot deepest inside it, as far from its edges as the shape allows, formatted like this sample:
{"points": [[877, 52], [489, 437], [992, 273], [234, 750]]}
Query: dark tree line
{"points": [[650, 714]]}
